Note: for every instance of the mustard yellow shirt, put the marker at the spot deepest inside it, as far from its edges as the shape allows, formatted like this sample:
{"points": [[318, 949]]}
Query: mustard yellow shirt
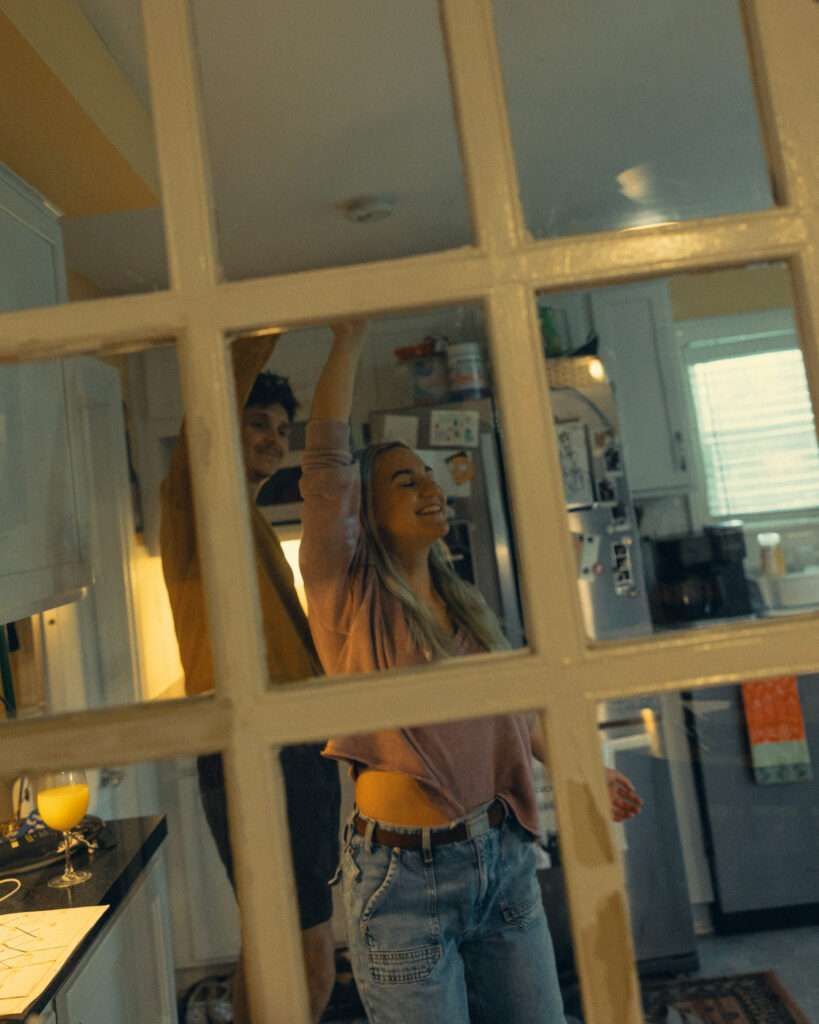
{"points": [[290, 651]]}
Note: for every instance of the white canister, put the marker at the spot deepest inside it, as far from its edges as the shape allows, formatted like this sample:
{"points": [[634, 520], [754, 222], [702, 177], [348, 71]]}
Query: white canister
{"points": [[467, 378]]}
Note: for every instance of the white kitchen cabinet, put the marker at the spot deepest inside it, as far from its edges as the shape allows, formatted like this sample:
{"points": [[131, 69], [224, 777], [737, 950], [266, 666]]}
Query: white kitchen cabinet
{"points": [[127, 976], [32, 265], [204, 914], [43, 561], [634, 325]]}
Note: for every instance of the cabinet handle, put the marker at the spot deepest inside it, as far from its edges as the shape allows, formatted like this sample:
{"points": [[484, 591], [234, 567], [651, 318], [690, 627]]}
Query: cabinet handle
{"points": [[679, 442]]}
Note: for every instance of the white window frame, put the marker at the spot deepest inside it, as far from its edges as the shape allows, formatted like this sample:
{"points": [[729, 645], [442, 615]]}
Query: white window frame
{"points": [[560, 672]]}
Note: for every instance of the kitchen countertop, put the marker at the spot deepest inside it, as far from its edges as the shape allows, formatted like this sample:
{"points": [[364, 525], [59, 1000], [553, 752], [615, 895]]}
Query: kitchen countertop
{"points": [[759, 615], [114, 873]]}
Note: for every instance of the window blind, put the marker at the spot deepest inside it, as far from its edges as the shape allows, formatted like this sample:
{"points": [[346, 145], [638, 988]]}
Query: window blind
{"points": [[756, 428]]}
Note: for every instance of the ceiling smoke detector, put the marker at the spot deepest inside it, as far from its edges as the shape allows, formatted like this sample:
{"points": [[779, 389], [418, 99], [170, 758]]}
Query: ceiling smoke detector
{"points": [[366, 209]]}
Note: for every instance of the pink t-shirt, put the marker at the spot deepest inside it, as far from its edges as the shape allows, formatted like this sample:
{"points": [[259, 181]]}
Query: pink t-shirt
{"points": [[358, 626]]}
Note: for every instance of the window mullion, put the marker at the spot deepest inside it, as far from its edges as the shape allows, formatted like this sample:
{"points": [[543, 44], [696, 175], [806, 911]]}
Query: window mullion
{"points": [[183, 166], [260, 838], [180, 728], [783, 38], [256, 796], [549, 583], [718, 655], [598, 907], [608, 257], [221, 504], [53, 332], [155, 730], [320, 296], [480, 110], [222, 520]]}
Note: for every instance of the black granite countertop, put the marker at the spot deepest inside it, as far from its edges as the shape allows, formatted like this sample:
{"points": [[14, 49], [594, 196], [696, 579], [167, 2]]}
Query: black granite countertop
{"points": [[114, 871]]}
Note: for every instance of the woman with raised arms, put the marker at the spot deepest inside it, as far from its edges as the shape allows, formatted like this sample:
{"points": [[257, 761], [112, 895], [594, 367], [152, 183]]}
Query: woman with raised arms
{"points": [[444, 915]]}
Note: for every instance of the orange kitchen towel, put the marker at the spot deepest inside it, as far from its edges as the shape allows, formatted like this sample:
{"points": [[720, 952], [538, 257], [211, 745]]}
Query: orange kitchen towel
{"points": [[776, 730]]}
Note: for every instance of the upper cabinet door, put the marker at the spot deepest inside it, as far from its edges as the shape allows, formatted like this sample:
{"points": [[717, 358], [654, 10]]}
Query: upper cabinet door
{"points": [[41, 548], [42, 563], [32, 264], [633, 323]]}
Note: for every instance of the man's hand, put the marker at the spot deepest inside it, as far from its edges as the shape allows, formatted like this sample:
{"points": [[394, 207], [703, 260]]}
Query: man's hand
{"points": [[623, 800]]}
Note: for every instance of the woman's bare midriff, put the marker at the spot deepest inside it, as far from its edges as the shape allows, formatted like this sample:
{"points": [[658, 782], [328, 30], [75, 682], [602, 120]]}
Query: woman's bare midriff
{"points": [[394, 798]]}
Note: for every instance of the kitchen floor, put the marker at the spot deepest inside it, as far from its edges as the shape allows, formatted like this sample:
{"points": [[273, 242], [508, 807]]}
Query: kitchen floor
{"points": [[792, 952]]}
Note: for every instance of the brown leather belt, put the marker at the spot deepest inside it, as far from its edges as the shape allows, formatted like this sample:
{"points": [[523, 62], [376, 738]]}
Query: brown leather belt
{"points": [[437, 836]]}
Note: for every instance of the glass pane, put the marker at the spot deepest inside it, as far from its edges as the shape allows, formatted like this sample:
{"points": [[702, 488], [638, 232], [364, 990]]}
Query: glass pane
{"points": [[84, 446], [80, 210], [728, 781], [735, 481], [169, 917], [684, 510], [630, 114], [423, 384], [335, 143]]}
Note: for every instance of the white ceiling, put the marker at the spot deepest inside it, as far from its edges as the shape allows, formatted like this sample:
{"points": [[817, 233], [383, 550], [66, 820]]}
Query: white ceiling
{"points": [[310, 104]]}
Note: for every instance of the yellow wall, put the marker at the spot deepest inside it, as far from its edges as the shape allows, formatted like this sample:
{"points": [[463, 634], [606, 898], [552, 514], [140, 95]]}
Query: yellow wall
{"points": [[51, 140], [746, 290]]}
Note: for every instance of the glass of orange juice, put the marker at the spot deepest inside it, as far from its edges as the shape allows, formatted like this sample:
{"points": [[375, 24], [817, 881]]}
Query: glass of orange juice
{"points": [[62, 800]]}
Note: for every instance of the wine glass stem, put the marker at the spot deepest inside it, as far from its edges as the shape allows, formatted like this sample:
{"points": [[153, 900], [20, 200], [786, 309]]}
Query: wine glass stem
{"points": [[66, 840]]}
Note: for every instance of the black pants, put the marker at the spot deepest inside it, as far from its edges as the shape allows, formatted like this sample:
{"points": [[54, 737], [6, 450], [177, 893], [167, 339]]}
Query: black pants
{"points": [[313, 801]]}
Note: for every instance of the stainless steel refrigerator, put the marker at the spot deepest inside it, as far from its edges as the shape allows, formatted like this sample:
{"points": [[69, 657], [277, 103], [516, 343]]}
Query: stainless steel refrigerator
{"points": [[602, 519]]}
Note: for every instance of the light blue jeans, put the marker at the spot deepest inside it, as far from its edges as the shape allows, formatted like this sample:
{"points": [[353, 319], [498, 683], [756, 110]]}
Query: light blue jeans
{"points": [[456, 934]]}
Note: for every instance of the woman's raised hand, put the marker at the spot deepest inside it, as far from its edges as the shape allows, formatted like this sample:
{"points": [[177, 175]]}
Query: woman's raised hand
{"points": [[333, 397], [348, 333]]}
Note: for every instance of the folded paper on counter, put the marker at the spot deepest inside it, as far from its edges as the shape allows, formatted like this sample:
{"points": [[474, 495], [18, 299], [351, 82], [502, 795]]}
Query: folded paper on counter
{"points": [[34, 946], [776, 730]]}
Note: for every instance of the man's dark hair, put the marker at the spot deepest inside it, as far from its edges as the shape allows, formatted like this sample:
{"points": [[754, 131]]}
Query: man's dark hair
{"points": [[271, 389]]}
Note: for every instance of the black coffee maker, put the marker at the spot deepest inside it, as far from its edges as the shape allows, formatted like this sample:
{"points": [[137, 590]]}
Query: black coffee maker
{"points": [[700, 576]]}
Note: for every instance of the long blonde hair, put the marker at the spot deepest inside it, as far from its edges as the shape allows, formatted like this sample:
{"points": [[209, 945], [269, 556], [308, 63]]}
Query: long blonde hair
{"points": [[464, 602]]}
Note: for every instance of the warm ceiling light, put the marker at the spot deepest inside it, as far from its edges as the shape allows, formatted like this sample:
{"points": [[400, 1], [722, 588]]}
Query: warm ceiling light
{"points": [[636, 183], [596, 370]]}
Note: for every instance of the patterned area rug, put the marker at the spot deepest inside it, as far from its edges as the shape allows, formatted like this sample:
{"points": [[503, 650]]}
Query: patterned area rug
{"points": [[736, 999]]}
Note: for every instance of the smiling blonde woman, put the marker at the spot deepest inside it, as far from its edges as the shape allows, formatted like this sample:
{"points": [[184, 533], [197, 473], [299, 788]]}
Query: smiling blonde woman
{"points": [[444, 916]]}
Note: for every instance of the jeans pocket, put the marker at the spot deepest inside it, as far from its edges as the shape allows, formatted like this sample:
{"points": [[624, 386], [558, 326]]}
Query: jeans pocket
{"points": [[404, 966], [523, 914], [519, 899], [397, 920]]}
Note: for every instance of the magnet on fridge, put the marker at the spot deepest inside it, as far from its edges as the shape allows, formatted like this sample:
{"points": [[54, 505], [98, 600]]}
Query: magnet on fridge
{"points": [[587, 552]]}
